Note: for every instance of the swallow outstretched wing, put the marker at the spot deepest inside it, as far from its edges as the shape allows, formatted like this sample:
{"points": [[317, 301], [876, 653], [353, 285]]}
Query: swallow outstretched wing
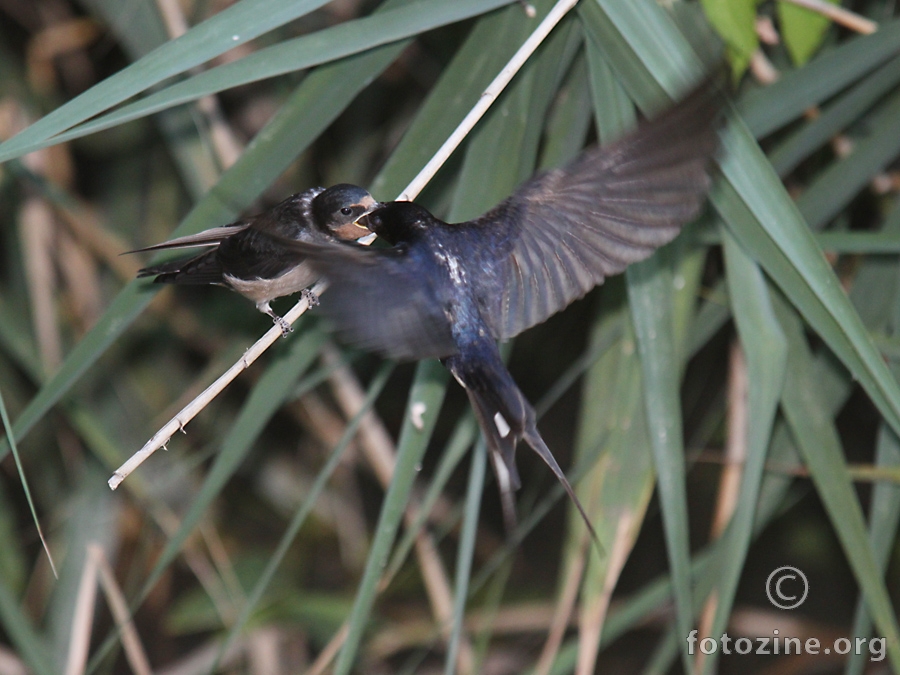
{"points": [[564, 231]]}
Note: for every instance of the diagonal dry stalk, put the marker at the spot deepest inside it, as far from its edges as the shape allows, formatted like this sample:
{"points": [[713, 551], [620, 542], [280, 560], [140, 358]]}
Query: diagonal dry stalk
{"points": [[223, 140], [161, 437], [839, 15], [381, 455], [98, 573], [732, 471]]}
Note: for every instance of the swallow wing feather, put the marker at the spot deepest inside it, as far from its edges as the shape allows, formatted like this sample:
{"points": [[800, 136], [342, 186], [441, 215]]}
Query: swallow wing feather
{"points": [[209, 237], [567, 229]]}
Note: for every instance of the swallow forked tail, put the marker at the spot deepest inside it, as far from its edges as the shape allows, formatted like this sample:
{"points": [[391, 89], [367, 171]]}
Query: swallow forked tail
{"points": [[505, 418], [199, 270]]}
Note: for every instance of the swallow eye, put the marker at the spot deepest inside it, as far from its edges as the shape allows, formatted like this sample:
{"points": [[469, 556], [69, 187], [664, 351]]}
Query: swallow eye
{"points": [[346, 210]]}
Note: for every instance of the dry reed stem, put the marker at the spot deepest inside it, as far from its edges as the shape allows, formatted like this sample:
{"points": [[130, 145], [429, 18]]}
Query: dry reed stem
{"points": [[226, 145], [10, 663], [203, 659], [36, 230], [327, 655], [593, 615], [134, 651], [380, 452], [762, 69], [560, 9], [839, 15], [512, 619], [375, 441], [59, 38], [161, 437], [216, 588], [82, 618], [732, 471], [98, 571], [562, 613], [736, 444]]}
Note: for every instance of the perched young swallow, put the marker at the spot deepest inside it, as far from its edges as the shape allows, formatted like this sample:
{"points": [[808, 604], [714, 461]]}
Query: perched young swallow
{"points": [[451, 291], [248, 256]]}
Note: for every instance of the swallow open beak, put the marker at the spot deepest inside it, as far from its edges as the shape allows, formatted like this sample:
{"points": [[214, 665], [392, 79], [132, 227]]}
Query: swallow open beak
{"points": [[363, 220]]}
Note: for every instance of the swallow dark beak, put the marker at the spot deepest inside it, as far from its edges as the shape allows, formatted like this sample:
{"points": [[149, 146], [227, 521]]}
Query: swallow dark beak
{"points": [[363, 220]]}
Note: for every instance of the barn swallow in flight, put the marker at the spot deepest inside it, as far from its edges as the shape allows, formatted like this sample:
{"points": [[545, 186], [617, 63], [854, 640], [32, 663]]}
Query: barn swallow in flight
{"points": [[248, 257], [451, 291]]}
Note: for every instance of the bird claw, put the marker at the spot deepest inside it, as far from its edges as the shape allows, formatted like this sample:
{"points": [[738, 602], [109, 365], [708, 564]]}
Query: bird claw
{"points": [[311, 298], [286, 328]]}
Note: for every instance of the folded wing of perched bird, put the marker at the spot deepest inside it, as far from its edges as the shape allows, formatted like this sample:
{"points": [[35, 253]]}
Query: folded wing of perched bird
{"points": [[452, 290], [248, 256]]}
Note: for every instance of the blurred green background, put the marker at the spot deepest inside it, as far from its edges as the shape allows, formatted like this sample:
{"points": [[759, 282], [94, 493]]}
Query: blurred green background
{"points": [[726, 408]]}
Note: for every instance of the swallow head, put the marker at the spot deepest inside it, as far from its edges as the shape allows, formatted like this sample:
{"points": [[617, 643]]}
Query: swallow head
{"points": [[399, 221], [338, 210]]}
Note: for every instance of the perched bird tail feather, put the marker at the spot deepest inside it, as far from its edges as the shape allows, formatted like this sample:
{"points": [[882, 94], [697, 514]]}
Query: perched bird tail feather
{"points": [[199, 270]]}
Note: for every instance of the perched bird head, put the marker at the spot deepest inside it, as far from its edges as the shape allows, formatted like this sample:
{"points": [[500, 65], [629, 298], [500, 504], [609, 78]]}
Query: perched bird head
{"points": [[398, 221], [338, 210]]}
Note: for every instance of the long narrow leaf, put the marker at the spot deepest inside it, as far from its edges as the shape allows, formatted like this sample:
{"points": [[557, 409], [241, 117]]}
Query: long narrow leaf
{"points": [[428, 389], [801, 270], [765, 347], [231, 27], [650, 294], [832, 191], [819, 443], [321, 47], [466, 552], [835, 117], [821, 79], [375, 388]]}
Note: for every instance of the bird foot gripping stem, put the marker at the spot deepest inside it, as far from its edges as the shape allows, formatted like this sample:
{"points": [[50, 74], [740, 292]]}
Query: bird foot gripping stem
{"points": [[281, 322], [311, 297], [286, 328]]}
